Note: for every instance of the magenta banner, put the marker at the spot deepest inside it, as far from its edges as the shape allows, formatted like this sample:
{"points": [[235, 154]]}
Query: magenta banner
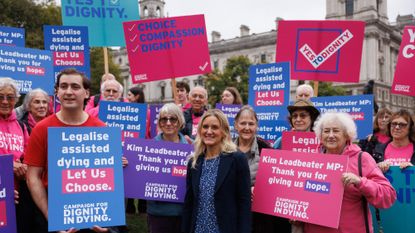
{"points": [[404, 79], [326, 50], [167, 48], [156, 169], [296, 141], [300, 186]]}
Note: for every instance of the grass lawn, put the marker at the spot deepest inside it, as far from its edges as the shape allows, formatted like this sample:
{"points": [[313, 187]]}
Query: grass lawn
{"points": [[137, 223]]}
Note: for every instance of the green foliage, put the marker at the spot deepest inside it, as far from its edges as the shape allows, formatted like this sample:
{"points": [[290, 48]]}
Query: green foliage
{"points": [[235, 74], [97, 69], [32, 16], [327, 89]]}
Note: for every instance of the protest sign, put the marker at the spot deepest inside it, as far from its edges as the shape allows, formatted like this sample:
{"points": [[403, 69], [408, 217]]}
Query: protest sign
{"points": [[130, 117], [306, 142], [70, 48], [360, 107], [85, 183], [167, 47], [30, 68], [269, 93], [296, 185], [154, 115], [12, 36], [7, 209], [404, 79], [230, 111], [103, 19], [321, 50], [399, 217], [156, 169]]}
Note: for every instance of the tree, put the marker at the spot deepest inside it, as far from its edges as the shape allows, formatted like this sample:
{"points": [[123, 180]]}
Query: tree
{"points": [[97, 69], [32, 16], [327, 89], [235, 74]]}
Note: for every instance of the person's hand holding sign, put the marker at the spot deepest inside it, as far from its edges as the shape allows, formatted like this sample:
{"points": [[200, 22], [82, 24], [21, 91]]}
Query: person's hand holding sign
{"points": [[350, 178]]}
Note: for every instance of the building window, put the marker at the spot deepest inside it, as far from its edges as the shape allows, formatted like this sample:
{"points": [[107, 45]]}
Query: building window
{"points": [[349, 7], [120, 60], [216, 64], [158, 12], [145, 11], [263, 58]]}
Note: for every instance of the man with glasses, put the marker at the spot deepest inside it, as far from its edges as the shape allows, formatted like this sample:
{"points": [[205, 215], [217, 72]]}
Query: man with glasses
{"points": [[198, 100], [111, 90]]}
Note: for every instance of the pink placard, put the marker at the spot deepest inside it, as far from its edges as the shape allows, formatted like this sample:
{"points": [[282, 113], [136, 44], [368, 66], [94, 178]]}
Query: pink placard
{"points": [[321, 50], [404, 79], [167, 47], [87, 180], [300, 186], [296, 141]]}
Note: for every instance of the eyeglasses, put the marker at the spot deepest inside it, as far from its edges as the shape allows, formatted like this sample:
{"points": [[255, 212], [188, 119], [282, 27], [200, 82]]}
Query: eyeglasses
{"points": [[400, 124], [173, 120], [9, 98], [301, 115]]}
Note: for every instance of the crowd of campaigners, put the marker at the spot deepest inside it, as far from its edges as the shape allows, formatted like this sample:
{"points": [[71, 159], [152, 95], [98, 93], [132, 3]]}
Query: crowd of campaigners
{"points": [[221, 173]]}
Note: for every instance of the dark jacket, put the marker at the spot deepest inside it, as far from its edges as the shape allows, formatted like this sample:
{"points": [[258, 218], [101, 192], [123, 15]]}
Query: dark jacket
{"points": [[188, 122], [232, 194], [379, 153]]}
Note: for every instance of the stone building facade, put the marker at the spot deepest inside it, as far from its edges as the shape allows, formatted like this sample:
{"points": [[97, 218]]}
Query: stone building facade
{"points": [[380, 50]]}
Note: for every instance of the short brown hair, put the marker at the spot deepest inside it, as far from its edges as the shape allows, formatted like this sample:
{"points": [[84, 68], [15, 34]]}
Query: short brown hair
{"points": [[407, 116], [71, 71]]}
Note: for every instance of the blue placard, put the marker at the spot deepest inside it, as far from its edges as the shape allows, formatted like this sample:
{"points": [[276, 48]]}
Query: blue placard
{"points": [[399, 218], [85, 181], [130, 117], [12, 36], [230, 111], [70, 47], [359, 106], [7, 208], [31, 68], [269, 93], [103, 18]]}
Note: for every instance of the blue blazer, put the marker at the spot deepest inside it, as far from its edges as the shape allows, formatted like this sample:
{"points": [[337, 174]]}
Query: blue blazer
{"points": [[232, 194]]}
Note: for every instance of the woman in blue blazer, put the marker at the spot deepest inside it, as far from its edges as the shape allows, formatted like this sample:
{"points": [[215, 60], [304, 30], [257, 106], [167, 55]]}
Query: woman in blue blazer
{"points": [[218, 196]]}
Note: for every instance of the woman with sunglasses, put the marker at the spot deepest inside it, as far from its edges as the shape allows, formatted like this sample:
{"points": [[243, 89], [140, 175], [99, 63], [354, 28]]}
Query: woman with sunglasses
{"points": [[165, 216], [401, 150], [302, 116]]}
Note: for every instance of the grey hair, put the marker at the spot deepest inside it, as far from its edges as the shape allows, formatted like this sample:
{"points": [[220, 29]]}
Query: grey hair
{"points": [[172, 109], [9, 82], [305, 87], [120, 87], [344, 119], [201, 88], [29, 96]]}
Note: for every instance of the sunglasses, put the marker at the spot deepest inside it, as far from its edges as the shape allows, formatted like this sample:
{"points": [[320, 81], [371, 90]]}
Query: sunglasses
{"points": [[9, 98], [172, 120], [400, 124], [301, 115]]}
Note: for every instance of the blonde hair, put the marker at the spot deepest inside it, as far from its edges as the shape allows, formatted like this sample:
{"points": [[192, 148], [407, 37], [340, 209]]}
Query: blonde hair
{"points": [[227, 145]]}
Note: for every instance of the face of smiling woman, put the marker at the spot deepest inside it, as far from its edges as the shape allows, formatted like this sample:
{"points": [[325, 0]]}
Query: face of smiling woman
{"points": [[7, 101], [333, 137], [211, 132]]}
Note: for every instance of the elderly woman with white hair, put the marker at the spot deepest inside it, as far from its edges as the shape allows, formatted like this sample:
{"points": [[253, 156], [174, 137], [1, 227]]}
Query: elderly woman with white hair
{"points": [[35, 107], [166, 216], [363, 181]]}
